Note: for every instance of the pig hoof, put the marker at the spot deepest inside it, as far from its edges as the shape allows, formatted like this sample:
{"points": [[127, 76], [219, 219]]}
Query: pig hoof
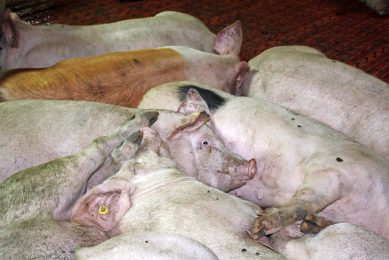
{"points": [[266, 224], [313, 224]]}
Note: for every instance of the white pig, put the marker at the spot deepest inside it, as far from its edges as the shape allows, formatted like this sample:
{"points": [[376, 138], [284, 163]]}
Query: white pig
{"points": [[303, 166], [336, 242], [163, 200], [304, 80], [28, 46]]}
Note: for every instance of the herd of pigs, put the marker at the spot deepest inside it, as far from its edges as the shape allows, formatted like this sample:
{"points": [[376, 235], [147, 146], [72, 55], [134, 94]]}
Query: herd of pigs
{"points": [[149, 139]]}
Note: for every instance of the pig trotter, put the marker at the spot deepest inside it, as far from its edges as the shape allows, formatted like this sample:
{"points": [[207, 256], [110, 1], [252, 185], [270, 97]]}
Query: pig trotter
{"points": [[313, 224], [274, 219]]}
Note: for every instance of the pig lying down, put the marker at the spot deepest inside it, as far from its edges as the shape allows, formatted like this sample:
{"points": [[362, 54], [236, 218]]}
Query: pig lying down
{"points": [[39, 201], [303, 167], [28, 46], [36, 203], [304, 80], [337, 242], [163, 200], [122, 78], [60, 128]]}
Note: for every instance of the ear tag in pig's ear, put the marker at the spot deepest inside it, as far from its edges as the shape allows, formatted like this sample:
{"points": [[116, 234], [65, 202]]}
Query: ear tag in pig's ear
{"points": [[196, 120], [103, 210]]}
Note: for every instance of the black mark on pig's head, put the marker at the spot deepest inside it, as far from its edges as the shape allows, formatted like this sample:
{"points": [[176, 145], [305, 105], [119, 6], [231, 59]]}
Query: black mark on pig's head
{"points": [[213, 100]]}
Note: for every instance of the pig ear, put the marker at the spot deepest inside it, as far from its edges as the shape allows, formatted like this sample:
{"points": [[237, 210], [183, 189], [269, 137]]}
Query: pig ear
{"points": [[102, 210], [241, 71], [195, 121], [193, 103], [11, 35], [229, 40]]}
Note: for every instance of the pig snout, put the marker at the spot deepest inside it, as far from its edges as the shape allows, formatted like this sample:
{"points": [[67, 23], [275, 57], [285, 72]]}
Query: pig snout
{"points": [[235, 175], [252, 168], [242, 170]]}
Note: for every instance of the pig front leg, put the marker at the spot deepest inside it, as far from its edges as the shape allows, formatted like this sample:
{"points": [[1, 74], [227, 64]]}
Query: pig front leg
{"points": [[319, 190]]}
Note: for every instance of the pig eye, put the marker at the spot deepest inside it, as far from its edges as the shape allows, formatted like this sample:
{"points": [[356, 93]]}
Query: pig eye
{"points": [[205, 144]]}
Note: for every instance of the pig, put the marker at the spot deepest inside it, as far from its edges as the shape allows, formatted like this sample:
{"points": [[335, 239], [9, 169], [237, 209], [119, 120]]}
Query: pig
{"points": [[307, 82], [303, 167], [33, 132], [339, 241], [36, 203], [380, 6], [122, 78], [165, 201], [28, 46]]}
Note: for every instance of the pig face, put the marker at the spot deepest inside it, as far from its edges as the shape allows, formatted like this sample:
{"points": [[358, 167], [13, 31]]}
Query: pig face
{"points": [[201, 154]]}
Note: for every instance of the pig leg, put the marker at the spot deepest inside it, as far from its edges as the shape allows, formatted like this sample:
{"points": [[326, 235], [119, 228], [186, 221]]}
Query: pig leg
{"points": [[313, 224], [319, 190]]}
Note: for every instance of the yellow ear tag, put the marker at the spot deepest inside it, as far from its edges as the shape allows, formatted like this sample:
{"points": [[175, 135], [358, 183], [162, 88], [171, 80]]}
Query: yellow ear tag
{"points": [[103, 210], [196, 113]]}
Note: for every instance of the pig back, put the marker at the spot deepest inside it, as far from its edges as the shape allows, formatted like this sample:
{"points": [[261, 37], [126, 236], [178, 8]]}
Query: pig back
{"points": [[35, 131]]}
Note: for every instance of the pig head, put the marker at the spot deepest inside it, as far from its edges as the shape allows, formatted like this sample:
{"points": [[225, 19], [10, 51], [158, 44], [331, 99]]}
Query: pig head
{"points": [[200, 153]]}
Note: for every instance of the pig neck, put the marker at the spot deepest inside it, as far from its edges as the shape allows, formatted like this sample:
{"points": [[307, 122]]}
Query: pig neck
{"points": [[153, 182]]}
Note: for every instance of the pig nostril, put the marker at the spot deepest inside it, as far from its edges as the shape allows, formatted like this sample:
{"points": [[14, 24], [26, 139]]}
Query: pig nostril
{"points": [[252, 167]]}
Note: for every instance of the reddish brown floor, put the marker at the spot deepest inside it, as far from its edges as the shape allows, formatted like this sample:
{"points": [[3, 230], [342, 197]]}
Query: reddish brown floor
{"points": [[345, 30]]}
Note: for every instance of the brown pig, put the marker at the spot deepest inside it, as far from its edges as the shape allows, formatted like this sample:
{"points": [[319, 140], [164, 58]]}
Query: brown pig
{"points": [[122, 78]]}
